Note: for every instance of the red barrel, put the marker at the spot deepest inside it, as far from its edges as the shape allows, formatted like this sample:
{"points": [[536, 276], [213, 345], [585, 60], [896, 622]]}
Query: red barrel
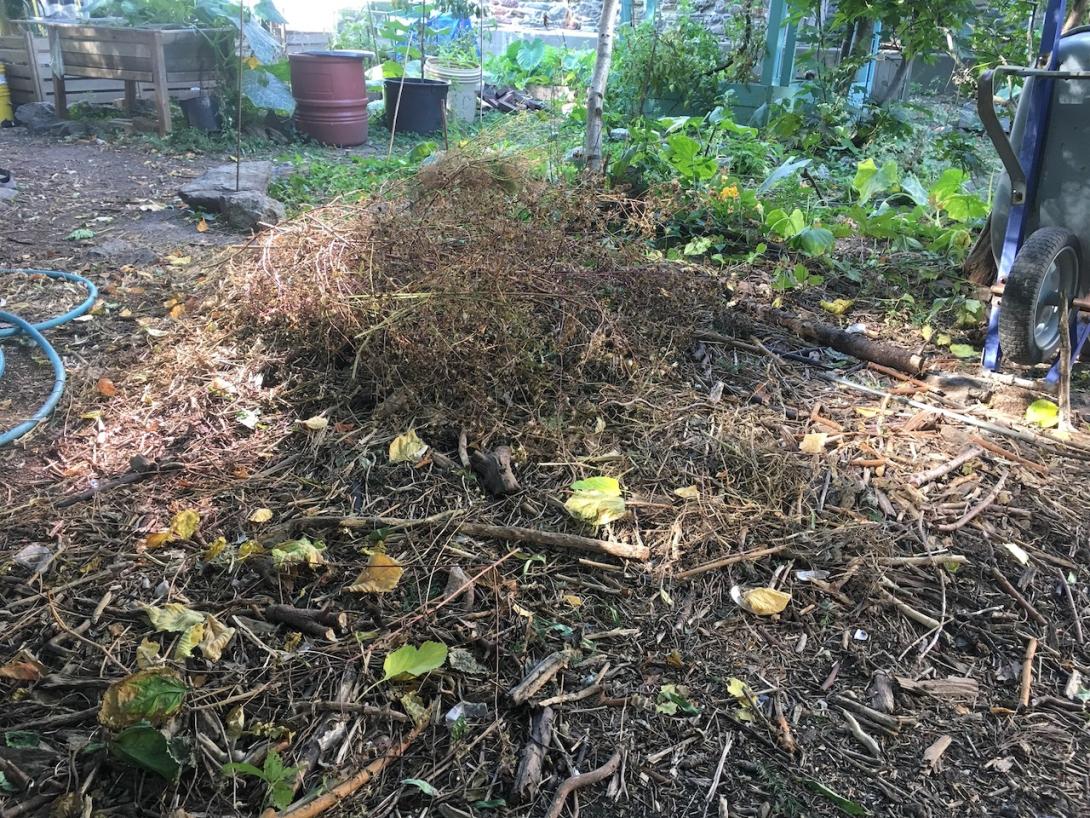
{"points": [[330, 96]]}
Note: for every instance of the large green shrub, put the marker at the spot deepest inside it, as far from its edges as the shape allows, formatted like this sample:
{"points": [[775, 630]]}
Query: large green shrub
{"points": [[666, 71]]}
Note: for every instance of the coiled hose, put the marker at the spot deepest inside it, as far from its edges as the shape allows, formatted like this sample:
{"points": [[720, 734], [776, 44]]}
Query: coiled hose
{"points": [[18, 327]]}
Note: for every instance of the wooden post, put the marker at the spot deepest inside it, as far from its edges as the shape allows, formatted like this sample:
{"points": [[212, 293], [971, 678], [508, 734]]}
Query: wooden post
{"points": [[56, 66], [34, 66], [159, 78], [130, 96]]}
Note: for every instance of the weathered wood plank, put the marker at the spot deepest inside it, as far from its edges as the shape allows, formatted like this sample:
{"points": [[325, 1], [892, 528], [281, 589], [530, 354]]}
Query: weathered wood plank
{"points": [[75, 61]]}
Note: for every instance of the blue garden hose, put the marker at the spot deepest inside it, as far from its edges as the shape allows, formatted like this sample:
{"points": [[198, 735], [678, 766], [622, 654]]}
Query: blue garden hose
{"points": [[17, 326]]}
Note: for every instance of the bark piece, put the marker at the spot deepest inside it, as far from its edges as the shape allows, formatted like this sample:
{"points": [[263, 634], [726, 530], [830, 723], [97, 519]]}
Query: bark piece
{"points": [[312, 622], [495, 470], [528, 777], [540, 675]]}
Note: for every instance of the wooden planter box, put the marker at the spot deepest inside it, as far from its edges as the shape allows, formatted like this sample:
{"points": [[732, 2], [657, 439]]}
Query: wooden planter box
{"points": [[161, 57]]}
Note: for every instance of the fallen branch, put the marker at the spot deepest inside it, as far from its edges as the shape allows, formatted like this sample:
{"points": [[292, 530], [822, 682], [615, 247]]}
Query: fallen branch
{"points": [[135, 476], [999, 451], [855, 344], [978, 508], [909, 611], [1016, 595], [577, 782], [348, 787], [503, 533], [943, 469], [1027, 672], [723, 562]]}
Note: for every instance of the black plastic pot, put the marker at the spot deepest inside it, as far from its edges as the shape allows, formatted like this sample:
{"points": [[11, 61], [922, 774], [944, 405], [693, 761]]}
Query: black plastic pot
{"points": [[423, 103], [202, 112]]}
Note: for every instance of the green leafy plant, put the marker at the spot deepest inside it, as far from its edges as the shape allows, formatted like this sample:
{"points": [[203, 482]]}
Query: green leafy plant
{"points": [[533, 62], [666, 71], [795, 277], [279, 780], [459, 52]]}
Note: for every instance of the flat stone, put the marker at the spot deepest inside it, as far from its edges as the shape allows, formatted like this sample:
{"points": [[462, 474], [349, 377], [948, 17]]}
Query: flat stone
{"points": [[250, 209], [119, 251], [207, 191]]}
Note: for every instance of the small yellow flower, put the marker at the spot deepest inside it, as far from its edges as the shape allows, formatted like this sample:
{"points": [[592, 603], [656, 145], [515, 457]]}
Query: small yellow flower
{"points": [[729, 192]]}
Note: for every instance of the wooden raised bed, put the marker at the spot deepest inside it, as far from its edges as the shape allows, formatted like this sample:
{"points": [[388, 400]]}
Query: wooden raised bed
{"points": [[160, 57]]}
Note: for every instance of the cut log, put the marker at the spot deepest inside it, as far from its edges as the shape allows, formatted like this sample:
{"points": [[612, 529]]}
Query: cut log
{"points": [[857, 345]]}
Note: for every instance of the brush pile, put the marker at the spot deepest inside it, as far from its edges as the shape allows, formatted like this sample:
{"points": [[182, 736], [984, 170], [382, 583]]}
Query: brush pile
{"points": [[351, 570]]}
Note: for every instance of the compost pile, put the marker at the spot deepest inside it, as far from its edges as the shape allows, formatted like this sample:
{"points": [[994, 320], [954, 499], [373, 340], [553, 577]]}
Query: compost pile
{"points": [[453, 502]]}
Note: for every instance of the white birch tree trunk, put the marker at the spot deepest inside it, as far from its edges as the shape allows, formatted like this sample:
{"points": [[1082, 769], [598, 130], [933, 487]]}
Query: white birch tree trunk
{"points": [[596, 94]]}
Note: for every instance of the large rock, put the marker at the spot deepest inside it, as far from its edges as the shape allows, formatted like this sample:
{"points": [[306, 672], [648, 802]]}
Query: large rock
{"points": [[37, 116], [206, 191], [250, 210], [246, 207]]}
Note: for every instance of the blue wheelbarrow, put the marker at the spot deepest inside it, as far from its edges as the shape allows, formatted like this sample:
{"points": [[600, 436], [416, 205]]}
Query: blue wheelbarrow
{"points": [[1040, 220]]}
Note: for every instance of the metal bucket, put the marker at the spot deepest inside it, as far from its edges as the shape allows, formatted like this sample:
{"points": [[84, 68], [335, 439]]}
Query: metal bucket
{"points": [[330, 96]]}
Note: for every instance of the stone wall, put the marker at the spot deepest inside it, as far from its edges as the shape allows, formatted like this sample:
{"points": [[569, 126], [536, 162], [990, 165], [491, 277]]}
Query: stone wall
{"points": [[584, 14]]}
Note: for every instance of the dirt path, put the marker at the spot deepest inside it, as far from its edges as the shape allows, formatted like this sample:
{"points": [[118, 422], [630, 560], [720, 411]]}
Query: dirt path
{"points": [[139, 237], [125, 195]]}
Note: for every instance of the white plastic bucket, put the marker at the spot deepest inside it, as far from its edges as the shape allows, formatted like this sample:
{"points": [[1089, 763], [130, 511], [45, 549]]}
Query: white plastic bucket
{"points": [[464, 84]]}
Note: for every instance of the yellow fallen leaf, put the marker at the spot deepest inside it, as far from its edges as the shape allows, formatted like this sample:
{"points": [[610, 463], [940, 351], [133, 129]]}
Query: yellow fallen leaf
{"points": [[738, 689], [315, 424], [813, 443], [688, 492], [202, 225], [184, 524], [235, 722], [177, 311], [1044, 413], [147, 654], [250, 548], [838, 306], [215, 548], [215, 639], [178, 261], [573, 600], [157, 539], [190, 639], [765, 601], [173, 617], [596, 500], [379, 576], [261, 515], [407, 448]]}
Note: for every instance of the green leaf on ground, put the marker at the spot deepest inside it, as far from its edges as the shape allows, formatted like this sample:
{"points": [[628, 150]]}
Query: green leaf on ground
{"points": [[145, 747], [846, 805], [1044, 413], [421, 785], [409, 660], [300, 551]]}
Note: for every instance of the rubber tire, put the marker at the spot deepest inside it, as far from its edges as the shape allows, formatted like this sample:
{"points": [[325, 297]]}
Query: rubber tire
{"points": [[1018, 314]]}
